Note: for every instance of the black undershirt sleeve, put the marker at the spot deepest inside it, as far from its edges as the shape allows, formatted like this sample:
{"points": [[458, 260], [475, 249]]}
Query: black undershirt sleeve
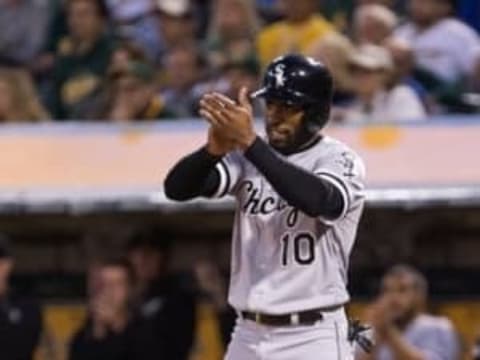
{"points": [[194, 175], [303, 190]]}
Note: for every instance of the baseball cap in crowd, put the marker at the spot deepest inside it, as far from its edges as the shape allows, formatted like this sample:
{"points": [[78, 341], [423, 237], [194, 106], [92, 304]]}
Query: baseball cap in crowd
{"points": [[175, 8], [372, 57], [5, 247]]}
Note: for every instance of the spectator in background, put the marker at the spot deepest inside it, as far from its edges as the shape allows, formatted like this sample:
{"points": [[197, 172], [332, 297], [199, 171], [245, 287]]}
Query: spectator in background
{"points": [[447, 51], [388, 3], [23, 30], [475, 351], [18, 98], [183, 70], [403, 70], [177, 24], [82, 59], [234, 24], [108, 333], [165, 305], [212, 287], [302, 27], [375, 102], [402, 329], [125, 53], [373, 23], [230, 79], [20, 319], [132, 94], [241, 74], [136, 22], [335, 50]]}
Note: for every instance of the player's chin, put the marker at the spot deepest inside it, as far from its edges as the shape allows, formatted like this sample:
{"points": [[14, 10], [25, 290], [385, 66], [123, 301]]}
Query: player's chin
{"points": [[278, 139], [278, 143]]}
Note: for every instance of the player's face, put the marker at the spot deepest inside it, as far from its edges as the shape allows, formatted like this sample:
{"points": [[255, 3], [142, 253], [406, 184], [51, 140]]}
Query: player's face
{"points": [[402, 296], [283, 123]]}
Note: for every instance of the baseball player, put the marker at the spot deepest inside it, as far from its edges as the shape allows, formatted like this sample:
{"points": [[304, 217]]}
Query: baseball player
{"points": [[299, 200]]}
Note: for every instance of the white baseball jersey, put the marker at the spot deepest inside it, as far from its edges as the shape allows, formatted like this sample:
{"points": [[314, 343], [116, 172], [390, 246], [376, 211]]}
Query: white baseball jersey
{"points": [[284, 261]]}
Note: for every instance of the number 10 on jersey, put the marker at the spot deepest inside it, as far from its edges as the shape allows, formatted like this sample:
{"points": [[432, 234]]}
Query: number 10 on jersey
{"points": [[299, 248]]}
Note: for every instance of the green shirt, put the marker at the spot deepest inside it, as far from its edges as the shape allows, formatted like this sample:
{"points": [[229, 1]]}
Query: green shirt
{"points": [[78, 77]]}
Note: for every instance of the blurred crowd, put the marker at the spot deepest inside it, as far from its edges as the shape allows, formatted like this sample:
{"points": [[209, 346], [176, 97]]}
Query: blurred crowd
{"points": [[126, 60], [138, 308]]}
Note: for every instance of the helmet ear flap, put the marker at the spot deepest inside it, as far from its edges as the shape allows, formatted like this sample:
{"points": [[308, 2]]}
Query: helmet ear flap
{"points": [[316, 117]]}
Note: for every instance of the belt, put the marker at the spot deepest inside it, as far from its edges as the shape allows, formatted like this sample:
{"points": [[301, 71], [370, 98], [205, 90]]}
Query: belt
{"points": [[308, 317]]}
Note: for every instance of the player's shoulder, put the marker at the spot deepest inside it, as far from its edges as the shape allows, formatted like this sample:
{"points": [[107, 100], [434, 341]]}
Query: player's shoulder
{"points": [[330, 150], [329, 146]]}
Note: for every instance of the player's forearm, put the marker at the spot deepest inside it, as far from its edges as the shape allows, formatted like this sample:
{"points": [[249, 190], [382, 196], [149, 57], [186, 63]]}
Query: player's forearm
{"points": [[301, 189], [192, 176]]}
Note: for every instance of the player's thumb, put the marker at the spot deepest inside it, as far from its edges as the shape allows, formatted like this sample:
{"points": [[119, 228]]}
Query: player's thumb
{"points": [[243, 99]]}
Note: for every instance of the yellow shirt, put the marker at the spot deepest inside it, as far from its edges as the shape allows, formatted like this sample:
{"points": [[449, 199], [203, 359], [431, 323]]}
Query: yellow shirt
{"points": [[284, 37]]}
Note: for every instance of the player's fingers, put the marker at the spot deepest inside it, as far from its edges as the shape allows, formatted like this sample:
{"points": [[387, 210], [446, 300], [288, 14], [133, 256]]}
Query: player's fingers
{"points": [[224, 101], [243, 99], [210, 118], [219, 121], [212, 106], [215, 108]]}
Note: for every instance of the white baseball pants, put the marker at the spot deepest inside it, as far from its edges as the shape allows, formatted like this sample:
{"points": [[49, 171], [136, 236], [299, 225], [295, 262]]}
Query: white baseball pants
{"points": [[324, 340]]}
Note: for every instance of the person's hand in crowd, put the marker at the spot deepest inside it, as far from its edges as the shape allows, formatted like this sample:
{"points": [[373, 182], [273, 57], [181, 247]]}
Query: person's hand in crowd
{"points": [[380, 317], [211, 283], [126, 103], [121, 110], [104, 314], [233, 121], [99, 316]]}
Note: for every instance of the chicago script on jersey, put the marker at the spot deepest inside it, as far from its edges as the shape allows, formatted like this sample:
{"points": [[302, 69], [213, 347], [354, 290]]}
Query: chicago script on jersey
{"points": [[255, 204]]}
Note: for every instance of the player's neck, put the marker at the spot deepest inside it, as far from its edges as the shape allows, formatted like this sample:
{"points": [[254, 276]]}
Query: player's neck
{"points": [[300, 146]]}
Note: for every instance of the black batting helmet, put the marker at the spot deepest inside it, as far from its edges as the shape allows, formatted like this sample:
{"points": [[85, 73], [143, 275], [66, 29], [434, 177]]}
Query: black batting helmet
{"points": [[300, 81]]}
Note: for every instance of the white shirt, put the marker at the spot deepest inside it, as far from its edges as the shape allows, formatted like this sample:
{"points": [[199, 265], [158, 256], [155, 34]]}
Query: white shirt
{"points": [[450, 49], [433, 336], [400, 104], [284, 261]]}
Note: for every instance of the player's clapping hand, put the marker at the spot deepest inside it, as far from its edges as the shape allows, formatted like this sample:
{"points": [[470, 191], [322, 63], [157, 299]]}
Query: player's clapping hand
{"points": [[218, 144], [232, 120]]}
